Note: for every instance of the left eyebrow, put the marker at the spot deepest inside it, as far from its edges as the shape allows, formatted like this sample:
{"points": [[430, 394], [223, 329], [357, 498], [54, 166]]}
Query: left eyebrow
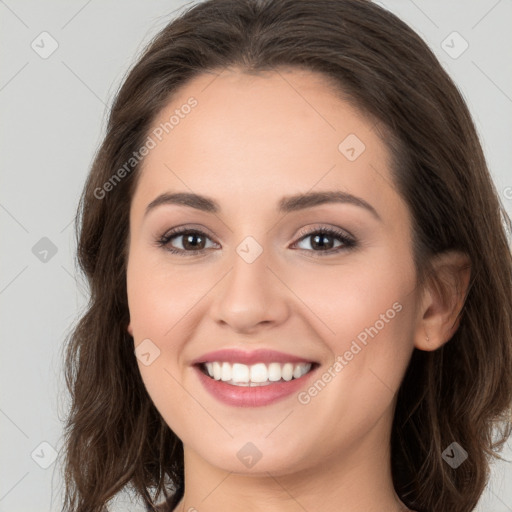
{"points": [[286, 205], [300, 201]]}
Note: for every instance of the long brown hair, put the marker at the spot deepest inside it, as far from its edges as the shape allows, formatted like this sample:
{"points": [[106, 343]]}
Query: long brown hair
{"points": [[461, 392]]}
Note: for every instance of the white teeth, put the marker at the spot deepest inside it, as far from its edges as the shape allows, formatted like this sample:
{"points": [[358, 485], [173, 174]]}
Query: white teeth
{"points": [[240, 373], [274, 372], [258, 374], [226, 371], [217, 370], [287, 371]]}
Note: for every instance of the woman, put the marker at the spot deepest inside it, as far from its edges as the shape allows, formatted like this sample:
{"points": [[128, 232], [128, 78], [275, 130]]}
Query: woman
{"points": [[223, 363]]}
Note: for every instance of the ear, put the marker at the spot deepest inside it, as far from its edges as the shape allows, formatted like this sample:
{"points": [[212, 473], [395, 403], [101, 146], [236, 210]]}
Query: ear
{"points": [[130, 329], [443, 297]]}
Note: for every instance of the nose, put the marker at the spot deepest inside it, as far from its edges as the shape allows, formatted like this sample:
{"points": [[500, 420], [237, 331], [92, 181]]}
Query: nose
{"points": [[251, 297]]}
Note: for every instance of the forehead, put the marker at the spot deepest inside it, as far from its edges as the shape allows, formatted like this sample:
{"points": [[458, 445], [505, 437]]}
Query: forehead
{"points": [[255, 138]]}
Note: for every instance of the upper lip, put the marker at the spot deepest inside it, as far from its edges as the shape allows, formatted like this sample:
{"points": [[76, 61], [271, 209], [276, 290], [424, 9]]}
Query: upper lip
{"points": [[231, 355]]}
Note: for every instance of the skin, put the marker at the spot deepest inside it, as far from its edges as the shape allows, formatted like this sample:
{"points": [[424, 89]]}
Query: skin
{"points": [[251, 140]]}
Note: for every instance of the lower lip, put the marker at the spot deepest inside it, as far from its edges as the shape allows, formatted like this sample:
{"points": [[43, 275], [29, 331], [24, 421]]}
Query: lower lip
{"points": [[255, 396]]}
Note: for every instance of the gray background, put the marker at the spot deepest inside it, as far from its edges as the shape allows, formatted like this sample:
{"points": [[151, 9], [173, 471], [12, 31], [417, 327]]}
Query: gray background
{"points": [[53, 117]]}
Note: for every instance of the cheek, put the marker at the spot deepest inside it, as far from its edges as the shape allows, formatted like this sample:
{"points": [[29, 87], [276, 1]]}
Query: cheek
{"points": [[348, 298], [367, 317], [341, 307], [372, 317], [160, 295], [373, 314], [343, 302], [159, 299]]}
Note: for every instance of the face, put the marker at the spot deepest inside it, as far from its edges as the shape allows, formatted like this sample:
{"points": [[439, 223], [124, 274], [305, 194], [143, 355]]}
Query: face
{"points": [[280, 280]]}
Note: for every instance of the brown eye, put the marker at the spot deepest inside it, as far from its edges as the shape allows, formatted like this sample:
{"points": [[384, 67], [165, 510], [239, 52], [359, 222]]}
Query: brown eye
{"points": [[193, 241], [323, 241], [185, 240]]}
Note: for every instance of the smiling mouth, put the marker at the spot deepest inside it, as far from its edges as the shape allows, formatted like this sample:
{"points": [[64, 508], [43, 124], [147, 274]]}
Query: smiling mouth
{"points": [[259, 374]]}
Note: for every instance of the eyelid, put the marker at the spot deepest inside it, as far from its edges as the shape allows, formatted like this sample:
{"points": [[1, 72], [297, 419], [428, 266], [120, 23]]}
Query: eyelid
{"points": [[181, 228], [347, 239], [325, 228], [302, 232]]}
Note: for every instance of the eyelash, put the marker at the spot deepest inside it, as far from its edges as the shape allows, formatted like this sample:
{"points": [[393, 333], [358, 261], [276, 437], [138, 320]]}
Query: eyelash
{"points": [[347, 241]]}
